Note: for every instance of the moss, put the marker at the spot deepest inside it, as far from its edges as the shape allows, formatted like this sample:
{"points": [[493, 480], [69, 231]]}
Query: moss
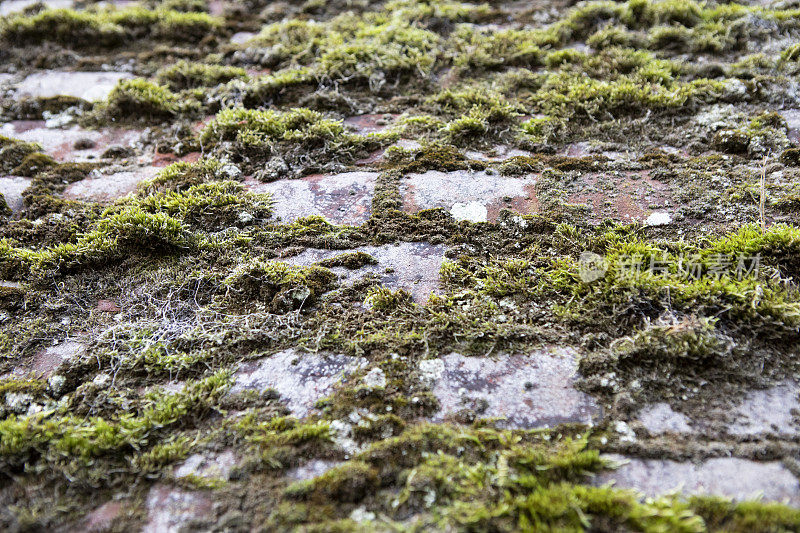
{"points": [[791, 157], [383, 299], [352, 50], [185, 75], [182, 175], [433, 157], [350, 260], [613, 35], [721, 514], [15, 385], [139, 99], [278, 86], [279, 286], [71, 444], [105, 28], [299, 136], [545, 129], [5, 211], [349, 483], [563, 93], [282, 442], [496, 49], [188, 258], [13, 152], [209, 205], [33, 164]]}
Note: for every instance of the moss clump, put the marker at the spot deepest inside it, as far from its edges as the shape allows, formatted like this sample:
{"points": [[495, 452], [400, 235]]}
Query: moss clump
{"points": [[207, 206], [371, 51], [181, 176], [350, 260], [497, 49], [140, 99], [13, 152], [432, 157], [107, 28], [791, 157], [60, 441], [282, 85], [542, 130], [298, 136], [383, 299], [151, 224], [720, 514], [5, 211], [186, 75], [278, 286], [348, 483], [33, 164], [563, 93], [281, 441]]}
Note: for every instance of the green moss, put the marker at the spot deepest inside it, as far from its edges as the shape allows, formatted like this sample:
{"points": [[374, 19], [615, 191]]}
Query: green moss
{"points": [[105, 28], [433, 157], [282, 441], [140, 99], [13, 152], [791, 157], [562, 94], [209, 205], [33, 164], [350, 260], [724, 515], [185, 75], [299, 136], [613, 35], [181, 176], [544, 129], [274, 87], [496, 49], [5, 211], [348, 483], [383, 299], [279, 286], [17, 385], [57, 439]]}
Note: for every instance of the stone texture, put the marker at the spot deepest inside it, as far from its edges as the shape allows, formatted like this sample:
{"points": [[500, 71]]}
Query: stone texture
{"points": [[170, 510], [100, 187], [447, 189], [217, 466], [300, 379], [311, 469], [12, 188], [47, 361], [528, 391], [90, 86], [772, 410], [623, 196], [242, 37], [340, 198], [499, 153], [413, 266], [60, 143], [373, 123], [660, 418], [102, 518], [730, 477]]}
